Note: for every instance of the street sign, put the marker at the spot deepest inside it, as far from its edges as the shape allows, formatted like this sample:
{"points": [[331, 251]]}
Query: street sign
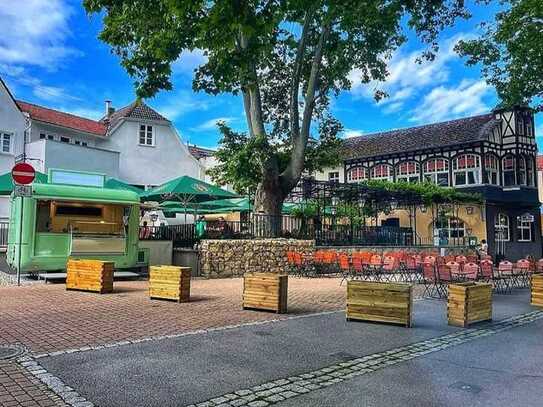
{"points": [[22, 190], [23, 173]]}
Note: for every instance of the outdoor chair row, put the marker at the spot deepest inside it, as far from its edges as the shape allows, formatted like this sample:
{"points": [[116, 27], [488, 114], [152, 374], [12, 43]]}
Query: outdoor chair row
{"points": [[433, 271]]}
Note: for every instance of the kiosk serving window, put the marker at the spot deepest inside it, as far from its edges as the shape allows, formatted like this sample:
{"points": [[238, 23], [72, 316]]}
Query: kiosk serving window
{"points": [[93, 227]]}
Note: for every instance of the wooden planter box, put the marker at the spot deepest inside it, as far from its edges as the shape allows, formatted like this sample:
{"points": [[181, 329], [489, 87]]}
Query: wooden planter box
{"points": [[380, 302], [265, 291], [170, 283], [89, 275], [469, 303], [537, 290]]}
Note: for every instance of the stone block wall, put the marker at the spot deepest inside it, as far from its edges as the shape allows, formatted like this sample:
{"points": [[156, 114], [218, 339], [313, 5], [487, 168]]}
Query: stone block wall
{"points": [[234, 258]]}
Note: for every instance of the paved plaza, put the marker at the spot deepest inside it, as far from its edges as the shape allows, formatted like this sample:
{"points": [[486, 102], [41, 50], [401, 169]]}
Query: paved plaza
{"points": [[122, 349]]}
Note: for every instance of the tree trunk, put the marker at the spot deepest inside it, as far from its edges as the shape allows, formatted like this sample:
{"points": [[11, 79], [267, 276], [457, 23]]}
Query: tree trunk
{"points": [[267, 218]]}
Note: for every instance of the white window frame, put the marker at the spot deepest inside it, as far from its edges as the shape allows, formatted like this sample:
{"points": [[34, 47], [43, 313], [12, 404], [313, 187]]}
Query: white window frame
{"points": [[388, 177], [11, 138], [530, 173], [492, 170], [333, 176], [522, 227], [145, 129], [433, 175], [405, 172], [502, 220], [529, 128], [459, 227], [357, 174], [506, 171], [474, 170]]}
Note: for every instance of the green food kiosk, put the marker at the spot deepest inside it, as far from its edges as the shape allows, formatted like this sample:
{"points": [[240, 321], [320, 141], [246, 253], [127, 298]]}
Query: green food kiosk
{"points": [[61, 220]]}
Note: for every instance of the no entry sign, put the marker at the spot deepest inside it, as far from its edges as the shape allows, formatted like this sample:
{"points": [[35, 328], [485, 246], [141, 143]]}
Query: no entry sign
{"points": [[23, 173]]}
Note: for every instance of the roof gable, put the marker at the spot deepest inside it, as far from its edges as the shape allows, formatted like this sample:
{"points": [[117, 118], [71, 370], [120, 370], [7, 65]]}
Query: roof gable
{"points": [[62, 119], [5, 87], [453, 132], [137, 110]]}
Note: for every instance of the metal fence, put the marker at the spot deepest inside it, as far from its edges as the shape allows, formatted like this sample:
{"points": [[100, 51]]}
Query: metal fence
{"points": [[262, 226]]}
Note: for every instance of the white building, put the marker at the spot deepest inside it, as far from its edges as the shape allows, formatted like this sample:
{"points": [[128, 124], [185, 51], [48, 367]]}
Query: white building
{"points": [[134, 144]]}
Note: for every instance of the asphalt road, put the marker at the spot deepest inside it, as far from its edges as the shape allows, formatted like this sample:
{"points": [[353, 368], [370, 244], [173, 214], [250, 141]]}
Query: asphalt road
{"points": [[502, 369]]}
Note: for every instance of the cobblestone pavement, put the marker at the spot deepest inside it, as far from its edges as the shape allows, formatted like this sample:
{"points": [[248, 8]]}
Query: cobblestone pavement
{"points": [[18, 388], [47, 318]]}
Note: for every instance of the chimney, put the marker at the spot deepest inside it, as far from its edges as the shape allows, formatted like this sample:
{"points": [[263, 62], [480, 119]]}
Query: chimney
{"points": [[108, 107]]}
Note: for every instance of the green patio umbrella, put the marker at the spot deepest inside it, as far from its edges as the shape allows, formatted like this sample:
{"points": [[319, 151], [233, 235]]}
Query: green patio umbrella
{"points": [[6, 182], [187, 191], [235, 204], [114, 183]]}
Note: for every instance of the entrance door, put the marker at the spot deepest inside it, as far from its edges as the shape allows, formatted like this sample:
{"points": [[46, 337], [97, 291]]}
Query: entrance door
{"points": [[391, 222]]}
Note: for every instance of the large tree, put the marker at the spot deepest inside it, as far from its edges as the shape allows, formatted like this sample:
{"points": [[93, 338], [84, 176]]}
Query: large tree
{"points": [[286, 58], [510, 51]]}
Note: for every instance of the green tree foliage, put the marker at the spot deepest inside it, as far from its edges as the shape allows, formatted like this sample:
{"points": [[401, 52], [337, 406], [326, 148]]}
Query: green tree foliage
{"points": [[510, 51], [285, 58]]}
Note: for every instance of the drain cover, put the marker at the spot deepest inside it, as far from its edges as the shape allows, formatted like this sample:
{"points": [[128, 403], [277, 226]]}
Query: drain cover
{"points": [[10, 351], [467, 387]]}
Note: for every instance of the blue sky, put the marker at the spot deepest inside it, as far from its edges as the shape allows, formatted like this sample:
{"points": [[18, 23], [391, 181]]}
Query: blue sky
{"points": [[50, 55]]}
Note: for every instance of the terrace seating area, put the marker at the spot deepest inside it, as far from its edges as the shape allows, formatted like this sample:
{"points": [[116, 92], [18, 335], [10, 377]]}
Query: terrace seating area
{"points": [[432, 271]]}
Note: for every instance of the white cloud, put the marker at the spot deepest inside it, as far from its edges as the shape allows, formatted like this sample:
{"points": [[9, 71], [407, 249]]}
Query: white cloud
{"points": [[407, 78], [180, 103], [348, 133], [444, 103], [35, 33], [212, 123], [188, 61]]}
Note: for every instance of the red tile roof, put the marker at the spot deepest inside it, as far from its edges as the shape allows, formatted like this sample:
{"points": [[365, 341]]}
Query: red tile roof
{"points": [[58, 118], [540, 162]]}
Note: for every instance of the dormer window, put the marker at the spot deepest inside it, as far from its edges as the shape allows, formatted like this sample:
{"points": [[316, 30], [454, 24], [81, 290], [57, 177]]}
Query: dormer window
{"points": [[146, 135]]}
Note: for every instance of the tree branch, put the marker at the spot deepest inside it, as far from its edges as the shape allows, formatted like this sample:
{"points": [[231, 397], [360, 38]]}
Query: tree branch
{"points": [[294, 169], [295, 85]]}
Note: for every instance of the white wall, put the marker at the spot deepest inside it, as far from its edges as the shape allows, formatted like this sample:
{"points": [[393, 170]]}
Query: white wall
{"points": [[11, 121], [58, 131], [151, 165], [323, 175]]}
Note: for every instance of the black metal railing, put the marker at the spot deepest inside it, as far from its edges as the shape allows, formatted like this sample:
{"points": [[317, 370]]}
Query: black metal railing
{"points": [[262, 226]]}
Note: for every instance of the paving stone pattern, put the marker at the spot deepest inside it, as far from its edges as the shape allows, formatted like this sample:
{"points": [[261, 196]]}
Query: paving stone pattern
{"points": [[273, 392], [47, 318], [20, 388]]}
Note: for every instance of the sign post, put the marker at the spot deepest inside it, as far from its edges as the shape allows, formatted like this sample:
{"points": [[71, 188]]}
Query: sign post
{"points": [[23, 175]]}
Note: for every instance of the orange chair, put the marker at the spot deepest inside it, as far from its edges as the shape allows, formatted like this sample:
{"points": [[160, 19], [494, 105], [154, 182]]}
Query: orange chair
{"points": [[455, 268], [358, 266], [471, 271], [344, 267], [461, 259], [472, 259], [429, 279], [430, 259], [505, 271], [523, 269]]}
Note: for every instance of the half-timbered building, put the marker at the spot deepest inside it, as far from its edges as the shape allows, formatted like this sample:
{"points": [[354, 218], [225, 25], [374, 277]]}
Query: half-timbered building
{"points": [[493, 154]]}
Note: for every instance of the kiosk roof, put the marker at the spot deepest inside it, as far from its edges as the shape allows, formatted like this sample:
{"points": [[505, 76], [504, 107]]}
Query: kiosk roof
{"points": [[81, 193]]}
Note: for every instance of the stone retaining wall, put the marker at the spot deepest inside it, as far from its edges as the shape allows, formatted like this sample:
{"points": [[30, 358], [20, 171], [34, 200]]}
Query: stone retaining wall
{"points": [[234, 258]]}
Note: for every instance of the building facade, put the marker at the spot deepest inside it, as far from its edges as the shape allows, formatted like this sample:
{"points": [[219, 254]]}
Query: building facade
{"points": [[134, 144], [492, 154]]}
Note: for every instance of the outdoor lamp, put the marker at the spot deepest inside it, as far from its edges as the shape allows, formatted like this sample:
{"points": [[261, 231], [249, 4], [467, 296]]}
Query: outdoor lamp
{"points": [[469, 210], [154, 217], [335, 200], [361, 202], [393, 205], [423, 209], [469, 231]]}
